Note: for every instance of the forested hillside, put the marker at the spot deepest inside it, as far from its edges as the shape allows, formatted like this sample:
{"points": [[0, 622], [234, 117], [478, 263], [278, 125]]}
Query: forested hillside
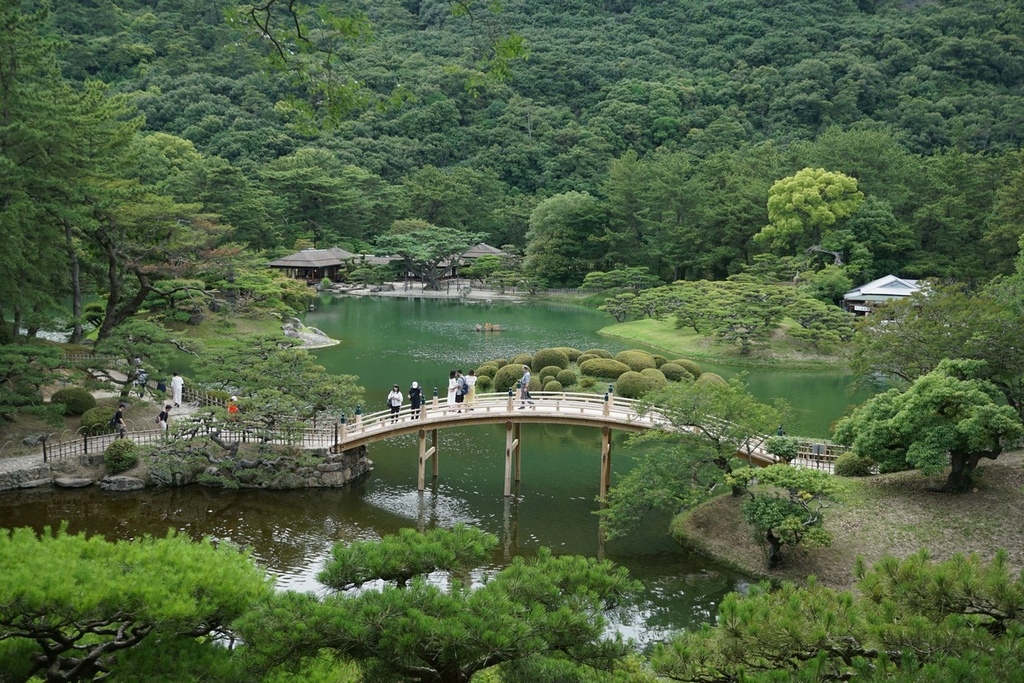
{"points": [[629, 134]]}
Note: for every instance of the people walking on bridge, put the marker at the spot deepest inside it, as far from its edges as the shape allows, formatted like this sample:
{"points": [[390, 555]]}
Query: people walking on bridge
{"points": [[164, 417], [453, 384], [524, 388], [177, 384], [395, 403], [471, 383], [415, 399], [461, 389]]}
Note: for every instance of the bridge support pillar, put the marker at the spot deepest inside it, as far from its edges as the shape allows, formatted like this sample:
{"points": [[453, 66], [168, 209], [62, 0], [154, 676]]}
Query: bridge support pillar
{"points": [[512, 452], [606, 461], [421, 481]]}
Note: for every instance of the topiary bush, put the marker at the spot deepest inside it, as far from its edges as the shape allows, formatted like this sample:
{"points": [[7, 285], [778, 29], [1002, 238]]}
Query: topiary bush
{"points": [[675, 373], [850, 464], [522, 359], [121, 455], [550, 371], [604, 367], [659, 360], [711, 378], [599, 353], [548, 357], [634, 384], [484, 383], [785, 447], [636, 360], [97, 420], [507, 376], [566, 377], [553, 385], [75, 400], [487, 370], [689, 366], [572, 353], [500, 362], [587, 382], [655, 374], [584, 357]]}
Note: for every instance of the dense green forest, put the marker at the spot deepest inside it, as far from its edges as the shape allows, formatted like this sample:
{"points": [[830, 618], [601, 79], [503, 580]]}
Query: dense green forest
{"points": [[623, 134]]}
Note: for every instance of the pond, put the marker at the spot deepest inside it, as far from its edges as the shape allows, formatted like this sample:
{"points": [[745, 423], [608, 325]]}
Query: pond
{"points": [[390, 340]]}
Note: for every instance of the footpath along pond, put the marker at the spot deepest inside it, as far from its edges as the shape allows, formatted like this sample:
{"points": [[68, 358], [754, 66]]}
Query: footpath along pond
{"points": [[393, 340]]}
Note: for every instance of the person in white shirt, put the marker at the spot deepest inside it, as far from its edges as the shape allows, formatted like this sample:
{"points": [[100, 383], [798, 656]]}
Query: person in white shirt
{"points": [[395, 403]]}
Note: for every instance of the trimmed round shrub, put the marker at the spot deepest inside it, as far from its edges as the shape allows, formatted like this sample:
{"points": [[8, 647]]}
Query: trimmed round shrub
{"points": [[548, 371], [634, 384], [97, 420], [566, 377], [690, 366], [675, 373], [785, 447], [604, 367], [588, 382], [500, 362], [636, 360], [584, 357], [487, 370], [547, 357], [600, 353], [522, 359], [76, 400], [850, 464], [655, 374], [572, 353], [121, 455], [507, 376], [711, 378], [659, 360], [553, 385], [484, 383]]}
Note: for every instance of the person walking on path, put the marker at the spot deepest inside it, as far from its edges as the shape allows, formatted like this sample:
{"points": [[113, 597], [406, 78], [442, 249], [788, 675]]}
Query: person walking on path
{"points": [[415, 399], [118, 421], [453, 384], [524, 388], [395, 403], [177, 384], [164, 417], [471, 383]]}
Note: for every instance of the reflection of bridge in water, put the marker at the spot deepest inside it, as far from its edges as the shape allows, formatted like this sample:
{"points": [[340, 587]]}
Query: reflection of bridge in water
{"points": [[606, 413]]}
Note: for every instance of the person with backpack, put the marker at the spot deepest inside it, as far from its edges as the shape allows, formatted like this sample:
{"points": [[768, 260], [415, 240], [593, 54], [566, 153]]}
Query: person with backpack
{"points": [[461, 389], [415, 399]]}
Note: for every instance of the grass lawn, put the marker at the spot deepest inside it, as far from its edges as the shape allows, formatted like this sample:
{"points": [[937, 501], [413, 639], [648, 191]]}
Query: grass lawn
{"points": [[685, 343], [889, 514]]}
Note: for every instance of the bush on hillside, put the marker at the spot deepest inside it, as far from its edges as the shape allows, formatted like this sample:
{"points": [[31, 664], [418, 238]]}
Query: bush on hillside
{"points": [[484, 383], [659, 360], [507, 376], [522, 359], [553, 385], [785, 447], [634, 384], [604, 367], [675, 373], [97, 420], [711, 378], [599, 353], [566, 377], [500, 362], [487, 370], [655, 374], [587, 382], [546, 357], [572, 353], [850, 464], [584, 357], [75, 400], [121, 455], [548, 371], [636, 360], [690, 366]]}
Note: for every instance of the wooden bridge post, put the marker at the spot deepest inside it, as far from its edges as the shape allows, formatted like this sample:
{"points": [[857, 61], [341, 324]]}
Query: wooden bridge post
{"points": [[433, 447], [519, 451], [511, 400], [421, 481], [511, 448], [606, 461]]}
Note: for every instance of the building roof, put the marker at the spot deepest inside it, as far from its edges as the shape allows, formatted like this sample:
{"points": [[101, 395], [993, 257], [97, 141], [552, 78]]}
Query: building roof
{"points": [[883, 288], [481, 249], [314, 258]]}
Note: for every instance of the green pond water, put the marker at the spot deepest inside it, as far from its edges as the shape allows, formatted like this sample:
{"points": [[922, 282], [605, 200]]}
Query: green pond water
{"points": [[387, 341]]}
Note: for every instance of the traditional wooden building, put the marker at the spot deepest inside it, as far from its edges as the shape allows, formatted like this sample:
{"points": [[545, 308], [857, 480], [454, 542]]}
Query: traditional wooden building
{"points": [[315, 264], [864, 299]]}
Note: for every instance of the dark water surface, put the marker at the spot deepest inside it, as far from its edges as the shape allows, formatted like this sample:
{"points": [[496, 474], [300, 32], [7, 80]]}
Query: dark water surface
{"points": [[387, 341]]}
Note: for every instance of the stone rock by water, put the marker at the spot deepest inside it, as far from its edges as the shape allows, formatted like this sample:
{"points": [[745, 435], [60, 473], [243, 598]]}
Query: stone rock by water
{"points": [[72, 482], [121, 483]]}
